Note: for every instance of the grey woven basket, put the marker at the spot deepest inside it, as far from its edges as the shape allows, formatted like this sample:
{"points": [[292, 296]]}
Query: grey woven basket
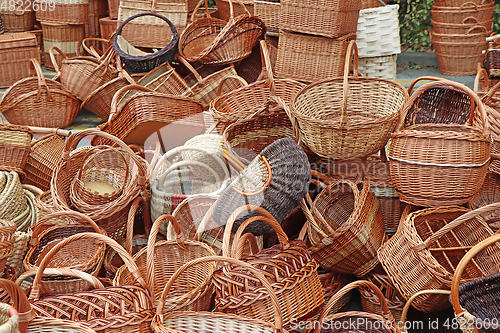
{"points": [[290, 178]]}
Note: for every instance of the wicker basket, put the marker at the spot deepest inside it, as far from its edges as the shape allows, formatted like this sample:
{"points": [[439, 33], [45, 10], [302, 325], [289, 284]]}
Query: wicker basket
{"points": [[431, 242], [350, 127], [16, 50], [300, 270], [338, 222], [224, 8], [17, 21], [26, 102], [97, 10], [308, 58], [146, 112], [384, 67], [460, 28], [332, 282], [7, 231], [65, 11], [82, 75], [108, 27], [457, 15], [459, 3], [137, 61], [1, 25], [324, 18], [488, 194], [476, 302], [64, 36], [15, 142], [270, 13], [456, 160], [164, 79], [378, 32], [216, 42]]}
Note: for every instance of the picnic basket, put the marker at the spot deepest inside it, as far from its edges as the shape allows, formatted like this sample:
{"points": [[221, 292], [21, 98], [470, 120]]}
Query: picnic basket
{"points": [[357, 320], [98, 308], [277, 179], [432, 241], [160, 260], [348, 127], [216, 42], [345, 226], [199, 321], [476, 302], [289, 267], [82, 75], [456, 154], [136, 119], [26, 102], [137, 61]]}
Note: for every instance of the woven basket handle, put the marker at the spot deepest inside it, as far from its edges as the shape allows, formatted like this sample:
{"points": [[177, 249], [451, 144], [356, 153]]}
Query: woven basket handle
{"points": [[411, 299], [138, 202], [470, 19], [75, 138], [455, 283], [456, 222], [154, 160], [236, 249], [491, 92], [92, 51], [266, 184], [424, 78], [122, 73], [193, 16], [481, 73], [352, 50], [127, 259], [186, 63], [468, 5], [66, 272], [230, 77], [118, 96], [267, 67], [278, 320], [41, 80], [175, 166], [473, 97], [150, 252], [53, 59], [269, 219], [19, 302], [231, 8], [476, 27], [386, 313], [177, 150]]}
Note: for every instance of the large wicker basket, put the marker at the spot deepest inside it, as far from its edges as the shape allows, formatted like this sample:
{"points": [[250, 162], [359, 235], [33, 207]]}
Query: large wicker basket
{"points": [[348, 117], [64, 11]]}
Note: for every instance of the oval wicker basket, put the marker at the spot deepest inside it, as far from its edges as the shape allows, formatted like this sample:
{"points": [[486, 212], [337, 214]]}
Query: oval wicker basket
{"points": [[337, 121]]}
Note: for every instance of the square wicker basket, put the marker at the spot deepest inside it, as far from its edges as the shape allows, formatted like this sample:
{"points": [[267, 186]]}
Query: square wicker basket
{"points": [[16, 50]]}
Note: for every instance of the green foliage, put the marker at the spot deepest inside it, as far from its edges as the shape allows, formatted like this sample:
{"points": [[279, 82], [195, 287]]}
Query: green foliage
{"points": [[496, 18]]}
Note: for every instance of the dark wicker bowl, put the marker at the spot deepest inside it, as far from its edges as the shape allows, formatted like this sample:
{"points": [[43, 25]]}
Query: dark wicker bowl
{"points": [[141, 64]]}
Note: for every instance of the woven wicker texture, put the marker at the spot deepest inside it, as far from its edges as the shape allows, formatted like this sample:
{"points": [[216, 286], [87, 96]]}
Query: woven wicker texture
{"points": [[224, 9], [310, 58], [144, 114], [7, 239], [462, 3], [198, 322], [460, 28], [114, 309], [212, 144], [289, 268], [329, 18], [332, 282], [277, 179], [216, 42], [16, 50], [111, 216], [456, 156], [9, 320], [348, 117], [1, 25], [361, 321], [269, 12], [425, 251], [378, 32], [476, 302], [65, 11], [64, 36], [97, 10], [82, 75], [164, 79], [345, 227], [15, 259], [457, 15], [488, 194], [15, 142], [160, 260], [108, 27], [27, 101], [384, 67], [17, 21]]}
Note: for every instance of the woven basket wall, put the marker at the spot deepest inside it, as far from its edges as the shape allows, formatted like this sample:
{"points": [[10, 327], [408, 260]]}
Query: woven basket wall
{"points": [[64, 36], [108, 27], [16, 22], [378, 32], [97, 10], [39, 39], [16, 50], [269, 12], [384, 67]]}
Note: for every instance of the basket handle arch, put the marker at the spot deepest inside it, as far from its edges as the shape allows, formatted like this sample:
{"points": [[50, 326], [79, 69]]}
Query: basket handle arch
{"points": [[352, 51], [230, 77], [406, 308], [473, 97], [127, 259], [266, 184], [54, 62], [237, 249], [117, 97], [41, 80], [20, 304], [468, 5], [67, 272], [424, 78], [267, 67], [139, 201], [75, 138], [265, 216], [470, 18], [386, 313], [92, 50], [481, 74], [460, 312], [456, 222], [193, 16], [278, 320]]}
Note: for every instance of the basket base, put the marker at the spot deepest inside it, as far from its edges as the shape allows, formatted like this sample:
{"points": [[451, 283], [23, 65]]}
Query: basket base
{"points": [[431, 202]]}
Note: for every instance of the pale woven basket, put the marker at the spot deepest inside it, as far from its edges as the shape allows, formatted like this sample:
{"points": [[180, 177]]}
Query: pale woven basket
{"points": [[383, 67], [378, 32]]}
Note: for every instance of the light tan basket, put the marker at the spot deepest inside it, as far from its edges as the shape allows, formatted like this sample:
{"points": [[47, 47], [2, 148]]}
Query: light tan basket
{"points": [[384, 67]]}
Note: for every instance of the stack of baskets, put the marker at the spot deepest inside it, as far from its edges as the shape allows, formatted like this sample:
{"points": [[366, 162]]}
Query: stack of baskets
{"points": [[378, 41], [314, 36], [459, 36]]}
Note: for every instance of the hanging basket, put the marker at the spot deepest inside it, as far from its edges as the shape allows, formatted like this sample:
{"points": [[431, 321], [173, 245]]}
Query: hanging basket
{"points": [[348, 127], [137, 61], [432, 241], [216, 42], [456, 156]]}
